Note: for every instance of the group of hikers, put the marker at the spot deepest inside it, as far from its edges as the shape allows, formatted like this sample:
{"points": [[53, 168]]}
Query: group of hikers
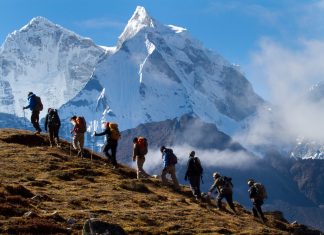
{"points": [[194, 170]]}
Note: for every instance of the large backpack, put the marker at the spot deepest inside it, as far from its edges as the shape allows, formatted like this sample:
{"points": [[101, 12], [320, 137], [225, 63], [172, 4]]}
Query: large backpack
{"points": [[39, 104], [81, 124], [53, 118], [115, 134], [197, 168], [172, 157], [142, 145], [226, 184], [261, 191]]}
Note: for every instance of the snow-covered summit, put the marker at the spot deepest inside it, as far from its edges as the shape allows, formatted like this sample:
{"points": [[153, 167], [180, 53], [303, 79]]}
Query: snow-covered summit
{"points": [[45, 58], [139, 20]]}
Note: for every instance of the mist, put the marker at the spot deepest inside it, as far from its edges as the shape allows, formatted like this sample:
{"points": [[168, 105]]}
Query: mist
{"points": [[211, 158], [289, 76]]}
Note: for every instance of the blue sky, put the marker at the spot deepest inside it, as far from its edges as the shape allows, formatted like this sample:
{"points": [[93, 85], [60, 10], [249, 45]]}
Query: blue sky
{"points": [[245, 32]]}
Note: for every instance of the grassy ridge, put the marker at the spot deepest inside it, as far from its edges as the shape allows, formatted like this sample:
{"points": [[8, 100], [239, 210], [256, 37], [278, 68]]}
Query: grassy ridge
{"points": [[60, 192]]}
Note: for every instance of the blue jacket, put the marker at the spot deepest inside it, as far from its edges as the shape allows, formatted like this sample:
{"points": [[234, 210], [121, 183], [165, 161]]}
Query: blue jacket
{"points": [[31, 102], [166, 157]]}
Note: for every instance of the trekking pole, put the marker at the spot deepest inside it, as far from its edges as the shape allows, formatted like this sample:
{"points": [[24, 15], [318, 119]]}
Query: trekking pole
{"points": [[25, 119]]}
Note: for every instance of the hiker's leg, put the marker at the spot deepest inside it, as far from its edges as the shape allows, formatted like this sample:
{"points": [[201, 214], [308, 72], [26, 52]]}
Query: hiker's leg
{"points": [[75, 142], [194, 184], [140, 161], [106, 151], [163, 176], [56, 136], [113, 153], [174, 177], [257, 206], [229, 199], [35, 120], [51, 135], [219, 199], [143, 171], [255, 211]]}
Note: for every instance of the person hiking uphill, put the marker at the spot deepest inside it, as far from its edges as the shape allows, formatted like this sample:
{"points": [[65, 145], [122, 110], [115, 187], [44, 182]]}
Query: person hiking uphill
{"points": [[225, 190], [139, 151], [112, 136], [257, 194], [169, 161], [35, 105], [79, 128], [53, 124], [194, 174]]}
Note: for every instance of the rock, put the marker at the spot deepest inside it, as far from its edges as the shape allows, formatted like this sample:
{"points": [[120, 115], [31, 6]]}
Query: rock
{"points": [[72, 221], [94, 226], [30, 214], [56, 216]]}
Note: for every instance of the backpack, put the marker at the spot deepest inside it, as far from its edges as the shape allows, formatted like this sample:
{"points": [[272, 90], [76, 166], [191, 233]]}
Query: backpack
{"points": [[39, 104], [115, 134], [261, 191], [226, 184], [197, 168], [53, 118], [142, 145], [172, 157], [81, 124]]}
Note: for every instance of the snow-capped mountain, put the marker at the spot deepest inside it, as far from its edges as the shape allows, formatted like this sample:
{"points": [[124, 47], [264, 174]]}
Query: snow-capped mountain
{"points": [[47, 59], [160, 72]]}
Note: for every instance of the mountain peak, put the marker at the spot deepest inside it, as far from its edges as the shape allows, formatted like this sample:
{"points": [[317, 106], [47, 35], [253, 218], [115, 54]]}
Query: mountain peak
{"points": [[140, 19]]}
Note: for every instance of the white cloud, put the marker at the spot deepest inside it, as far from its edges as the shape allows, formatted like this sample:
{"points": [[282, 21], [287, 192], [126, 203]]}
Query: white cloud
{"points": [[218, 159], [288, 73]]}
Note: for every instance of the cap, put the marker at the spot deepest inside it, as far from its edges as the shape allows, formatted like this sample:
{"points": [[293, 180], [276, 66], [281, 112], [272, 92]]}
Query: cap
{"points": [[216, 175], [162, 148], [192, 153], [250, 182], [30, 93]]}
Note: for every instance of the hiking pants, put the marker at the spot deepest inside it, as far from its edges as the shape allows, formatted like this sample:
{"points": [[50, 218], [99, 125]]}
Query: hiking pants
{"points": [[195, 185], [53, 134], [140, 171], [170, 170], [112, 146], [35, 120], [78, 142], [257, 210], [229, 199]]}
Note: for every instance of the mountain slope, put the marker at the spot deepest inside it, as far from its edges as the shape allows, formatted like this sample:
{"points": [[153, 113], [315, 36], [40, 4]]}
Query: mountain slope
{"points": [[45, 58], [49, 180], [160, 72]]}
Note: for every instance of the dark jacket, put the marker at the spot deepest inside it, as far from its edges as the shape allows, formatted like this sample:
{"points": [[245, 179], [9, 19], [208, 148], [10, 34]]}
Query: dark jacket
{"points": [[192, 169], [106, 132], [31, 102], [48, 123]]}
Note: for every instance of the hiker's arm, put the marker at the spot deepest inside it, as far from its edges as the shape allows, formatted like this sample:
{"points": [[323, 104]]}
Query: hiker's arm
{"points": [[58, 121], [212, 188], [135, 151], [252, 192], [105, 132]]}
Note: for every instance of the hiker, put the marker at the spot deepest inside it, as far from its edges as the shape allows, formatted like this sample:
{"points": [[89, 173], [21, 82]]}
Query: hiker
{"points": [[112, 136], [139, 152], [225, 190], [80, 127], [194, 174], [257, 194], [35, 105], [169, 161], [52, 124]]}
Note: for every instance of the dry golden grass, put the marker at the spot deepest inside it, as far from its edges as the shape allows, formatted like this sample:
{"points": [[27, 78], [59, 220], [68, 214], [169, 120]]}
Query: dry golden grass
{"points": [[44, 180]]}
